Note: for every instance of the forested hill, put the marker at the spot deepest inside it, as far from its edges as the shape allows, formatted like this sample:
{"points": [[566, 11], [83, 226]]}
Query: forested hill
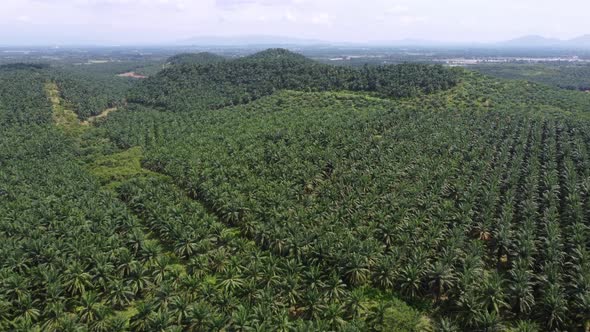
{"points": [[208, 86], [203, 58]]}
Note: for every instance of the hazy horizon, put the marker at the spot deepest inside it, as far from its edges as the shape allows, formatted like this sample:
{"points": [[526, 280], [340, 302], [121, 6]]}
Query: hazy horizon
{"points": [[124, 22]]}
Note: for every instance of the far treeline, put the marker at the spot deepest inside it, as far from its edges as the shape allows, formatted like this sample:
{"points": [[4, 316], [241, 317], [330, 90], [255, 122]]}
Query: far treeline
{"points": [[562, 75]]}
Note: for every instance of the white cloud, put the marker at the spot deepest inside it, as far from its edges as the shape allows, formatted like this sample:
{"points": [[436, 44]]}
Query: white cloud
{"points": [[410, 19], [24, 18], [397, 9], [238, 4], [322, 19], [290, 17], [344, 20]]}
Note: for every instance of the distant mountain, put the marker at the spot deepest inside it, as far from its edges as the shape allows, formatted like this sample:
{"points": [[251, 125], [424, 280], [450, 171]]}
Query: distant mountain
{"points": [[532, 41], [407, 42], [248, 41], [535, 41], [582, 40]]}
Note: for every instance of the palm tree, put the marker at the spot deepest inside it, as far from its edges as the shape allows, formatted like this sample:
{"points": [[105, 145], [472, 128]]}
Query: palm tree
{"points": [[385, 275], [441, 278], [313, 277], [139, 279], [119, 294], [159, 321], [250, 291], [88, 304], [582, 305], [76, 279], [242, 319], [17, 287], [125, 262], [470, 306], [218, 322], [160, 268], [335, 288], [281, 322], [117, 324], [333, 316], [232, 282], [489, 321], [410, 280], [446, 325], [180, 307], [357, 272], [52, 315], [554, 306], [162, 295], [140, 321], [525, 326], [493, 297], [102, 271], [150, 251], [289, 289], [200, 314], [313, 304], [69, 323], [186, 245], [376, 317], [355, 303], [521, 289], [27, 312], [135, 239], [218, 260]]}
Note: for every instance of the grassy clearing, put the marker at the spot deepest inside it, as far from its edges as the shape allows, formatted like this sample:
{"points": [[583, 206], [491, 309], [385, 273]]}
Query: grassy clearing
{"points": [[112, 170], [397, 315], [63, 117]]}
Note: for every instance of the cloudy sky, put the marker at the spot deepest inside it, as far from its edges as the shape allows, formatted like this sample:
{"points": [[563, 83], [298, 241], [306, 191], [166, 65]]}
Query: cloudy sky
{"points": [[156, 21]]}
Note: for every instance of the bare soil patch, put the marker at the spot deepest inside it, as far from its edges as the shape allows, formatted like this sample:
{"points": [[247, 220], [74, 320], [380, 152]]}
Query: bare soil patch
{"points": [[132, 74], [99, 116]]}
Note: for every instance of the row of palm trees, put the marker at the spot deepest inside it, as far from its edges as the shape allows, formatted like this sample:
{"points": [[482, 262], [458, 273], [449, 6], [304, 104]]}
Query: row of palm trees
{"points": [[305, 211], [244, 287], [466, 207]]}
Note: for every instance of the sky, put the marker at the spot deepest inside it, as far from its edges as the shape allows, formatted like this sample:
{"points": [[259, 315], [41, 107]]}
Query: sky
{"points": [[120, 22]]}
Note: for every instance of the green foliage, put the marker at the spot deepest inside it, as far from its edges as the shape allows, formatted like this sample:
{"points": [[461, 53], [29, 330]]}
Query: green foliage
{"points": [[308, 210], [113, 169], [63, 118], [398, 319], [562, 75], [211, 86], [63, 239], [17, 66], [458, 196], [203, 58], [78, 257], [22, 97], [88, 92]]}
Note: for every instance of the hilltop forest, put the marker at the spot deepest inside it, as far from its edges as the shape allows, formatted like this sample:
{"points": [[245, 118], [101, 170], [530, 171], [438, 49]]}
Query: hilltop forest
{"points": [[274, 193]]}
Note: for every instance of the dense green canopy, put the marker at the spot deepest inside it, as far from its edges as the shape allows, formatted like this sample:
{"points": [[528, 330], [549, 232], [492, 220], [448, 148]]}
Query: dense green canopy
{"points": [[398, 198], [203, 58], [211, 86]]}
